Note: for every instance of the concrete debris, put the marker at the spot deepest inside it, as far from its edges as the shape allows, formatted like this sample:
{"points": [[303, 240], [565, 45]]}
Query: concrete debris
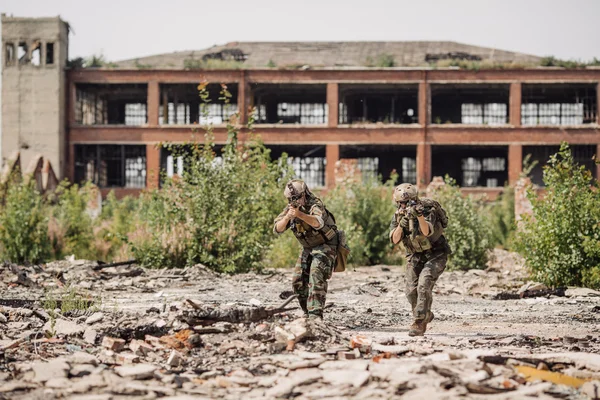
{"points": [[227, 341]]}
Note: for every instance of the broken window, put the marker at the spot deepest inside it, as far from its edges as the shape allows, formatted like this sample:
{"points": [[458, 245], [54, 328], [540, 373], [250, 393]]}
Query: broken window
{"points": [[381, 161], [582, 154], [308, 162], [470, 104], [472, 166], [36, 53], [111, 165], [558, 104], [135, 114], [290, 104], [181, 104], [9, 54], [22, 53], [111, 104], [174, 159], [389, 104], [49, 53], [489, 114]]}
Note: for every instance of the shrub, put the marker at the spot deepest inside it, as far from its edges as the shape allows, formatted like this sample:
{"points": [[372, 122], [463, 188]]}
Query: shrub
{"points": [[364, 210], [117, 220], [24, 225], [283, 252], [70, 226], [561, 240], [500, 216], [468, 232]]}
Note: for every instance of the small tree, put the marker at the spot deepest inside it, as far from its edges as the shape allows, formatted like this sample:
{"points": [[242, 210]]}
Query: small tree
{"points": [[561, 240]]}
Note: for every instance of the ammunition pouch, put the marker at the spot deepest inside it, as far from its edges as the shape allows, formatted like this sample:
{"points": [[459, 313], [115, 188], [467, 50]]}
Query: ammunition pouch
{"points": [[342, 252], [315, 237]]}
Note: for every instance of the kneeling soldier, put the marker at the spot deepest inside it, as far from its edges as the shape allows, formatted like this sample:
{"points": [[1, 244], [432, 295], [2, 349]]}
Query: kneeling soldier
{"points": [[419, 224], [315, 229]]}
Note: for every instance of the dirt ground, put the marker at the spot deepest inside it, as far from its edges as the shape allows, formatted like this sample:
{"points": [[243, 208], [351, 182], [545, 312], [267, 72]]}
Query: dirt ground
{"points": [[147, 340]]}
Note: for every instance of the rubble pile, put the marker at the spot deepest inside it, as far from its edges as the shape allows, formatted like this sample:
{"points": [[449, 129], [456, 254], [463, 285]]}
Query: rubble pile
{"points": [[194, 333]]}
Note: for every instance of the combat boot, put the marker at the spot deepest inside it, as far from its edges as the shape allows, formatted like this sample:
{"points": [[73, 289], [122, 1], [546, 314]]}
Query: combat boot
{"points": [[429, 317], [303, 306], [418, 327]]}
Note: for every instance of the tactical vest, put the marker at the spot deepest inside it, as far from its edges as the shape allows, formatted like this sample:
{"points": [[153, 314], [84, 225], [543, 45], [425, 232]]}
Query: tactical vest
{"points": [[420, 242], [310, 237]]}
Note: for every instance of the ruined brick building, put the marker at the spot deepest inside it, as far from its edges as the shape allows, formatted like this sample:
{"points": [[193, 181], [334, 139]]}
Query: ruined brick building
{"points": [[383, 105]]}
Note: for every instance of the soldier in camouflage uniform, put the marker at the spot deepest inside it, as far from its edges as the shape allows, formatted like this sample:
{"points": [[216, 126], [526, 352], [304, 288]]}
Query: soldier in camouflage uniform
{"points": [[315, 229], [419, 224]]}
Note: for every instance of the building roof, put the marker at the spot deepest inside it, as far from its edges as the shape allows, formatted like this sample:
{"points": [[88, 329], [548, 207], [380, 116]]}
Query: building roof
{"points": [[253, 55]]}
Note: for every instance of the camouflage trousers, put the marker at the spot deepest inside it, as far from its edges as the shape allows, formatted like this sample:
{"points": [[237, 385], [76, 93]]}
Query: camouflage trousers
{"points": [[422, 271], [312, 270]]}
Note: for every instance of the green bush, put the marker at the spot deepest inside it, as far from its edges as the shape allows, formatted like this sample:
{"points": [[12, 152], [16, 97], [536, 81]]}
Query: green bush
{"points": [[500, 216], [468, 232], [561, 240], [220, 213], [117, 219], [364, 210], [70, 226], [24, 225], [283, 252]]}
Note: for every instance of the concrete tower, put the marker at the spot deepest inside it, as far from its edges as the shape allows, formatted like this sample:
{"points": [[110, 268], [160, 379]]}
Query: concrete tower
{"points": [[34, 58]]}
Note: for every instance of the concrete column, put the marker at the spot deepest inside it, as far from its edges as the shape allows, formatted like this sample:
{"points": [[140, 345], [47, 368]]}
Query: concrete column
{"points": [[72, 101], [152, 166], [423, 165], [424, 102], [515, 163], [243, 100], [332, 152], [71, 164], [333, 104], [153, 102], [514, 108]]}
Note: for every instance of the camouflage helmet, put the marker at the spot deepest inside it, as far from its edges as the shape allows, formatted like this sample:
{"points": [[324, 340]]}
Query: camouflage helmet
{"points": [[294, 189], [405, 192]]}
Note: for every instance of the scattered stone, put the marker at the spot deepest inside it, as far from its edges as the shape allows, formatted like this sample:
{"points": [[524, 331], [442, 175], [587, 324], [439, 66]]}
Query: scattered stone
{"points": [[140, 347], [355, 377], [45, 371], [175, 359], [591, 389], [95, 317], [63, 327], [90, 336], [113, 344], [81, 357], [581, 292], [127, 358], [140, 371]]}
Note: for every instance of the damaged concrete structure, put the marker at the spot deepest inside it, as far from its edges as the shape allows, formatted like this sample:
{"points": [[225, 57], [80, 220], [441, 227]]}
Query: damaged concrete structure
{"points": [[34, 60], [385, 105]]}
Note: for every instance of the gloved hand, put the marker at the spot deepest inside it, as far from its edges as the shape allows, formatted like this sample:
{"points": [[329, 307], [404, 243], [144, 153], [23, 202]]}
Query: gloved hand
{"points": [[419, 209], [403, 222]]}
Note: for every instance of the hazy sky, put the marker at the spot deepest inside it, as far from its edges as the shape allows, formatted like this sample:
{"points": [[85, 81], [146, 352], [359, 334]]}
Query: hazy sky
{"points": [[128, 29]]}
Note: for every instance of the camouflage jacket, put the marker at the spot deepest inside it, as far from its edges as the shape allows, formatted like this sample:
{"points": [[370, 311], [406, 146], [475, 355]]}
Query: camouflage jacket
{"points": [[417, 242], [308, 236]]}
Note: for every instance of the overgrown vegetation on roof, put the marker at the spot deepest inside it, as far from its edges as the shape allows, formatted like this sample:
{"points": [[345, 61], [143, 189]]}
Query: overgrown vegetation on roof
{"points": [[551, 61], [196, 63], [383, 60]]}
